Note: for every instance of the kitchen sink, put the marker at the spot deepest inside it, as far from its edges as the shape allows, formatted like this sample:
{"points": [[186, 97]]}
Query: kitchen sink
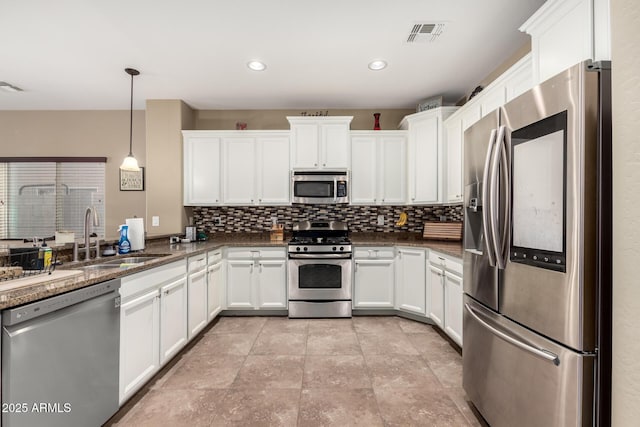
{"points": [[131, 260], [99, 267]]}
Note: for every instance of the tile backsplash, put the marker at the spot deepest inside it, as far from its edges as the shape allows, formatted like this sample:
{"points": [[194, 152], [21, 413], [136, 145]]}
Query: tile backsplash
{"points": [[257, 219]]}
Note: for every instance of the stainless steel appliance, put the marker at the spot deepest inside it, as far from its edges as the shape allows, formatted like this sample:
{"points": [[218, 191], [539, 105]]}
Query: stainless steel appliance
{"points": [[320, 187], [60, 359], [320, 268], [537, 258]]}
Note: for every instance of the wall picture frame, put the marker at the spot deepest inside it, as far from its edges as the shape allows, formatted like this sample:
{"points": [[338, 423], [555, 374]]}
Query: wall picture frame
{"points": [[132, 181]]}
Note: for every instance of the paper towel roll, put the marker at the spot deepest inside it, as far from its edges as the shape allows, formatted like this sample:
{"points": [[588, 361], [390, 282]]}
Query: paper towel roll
{"points": [[136, 233]]}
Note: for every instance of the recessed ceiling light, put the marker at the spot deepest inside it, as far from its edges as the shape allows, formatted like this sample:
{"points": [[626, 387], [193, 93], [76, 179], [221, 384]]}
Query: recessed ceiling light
{"points": [[9, 87], [377, 65], [256, 65]]}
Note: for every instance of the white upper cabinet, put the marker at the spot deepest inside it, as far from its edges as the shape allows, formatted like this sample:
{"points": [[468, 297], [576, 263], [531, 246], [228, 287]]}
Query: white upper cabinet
{"points": [[425, 164], [378, 167], [239, 170], [565, 32], [453, 129], [236, 168], [273, 162], [320, 142], [201, 167]]}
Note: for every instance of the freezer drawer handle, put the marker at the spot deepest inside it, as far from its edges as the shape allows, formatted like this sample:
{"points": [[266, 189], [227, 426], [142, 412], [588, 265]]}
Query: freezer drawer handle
{"points": [[545, 354]]}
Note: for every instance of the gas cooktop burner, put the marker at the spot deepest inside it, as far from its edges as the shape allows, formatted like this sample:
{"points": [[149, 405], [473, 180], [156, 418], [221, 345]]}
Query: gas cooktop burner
{"points": [[320, 238], [342, 240]]}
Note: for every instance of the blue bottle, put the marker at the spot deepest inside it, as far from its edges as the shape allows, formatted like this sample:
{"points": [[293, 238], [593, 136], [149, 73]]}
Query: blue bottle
{"points": [[124, 246]]}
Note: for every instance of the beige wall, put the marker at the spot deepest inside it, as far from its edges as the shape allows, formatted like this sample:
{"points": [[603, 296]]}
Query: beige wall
{"points": [[81, 134], [165, 120], [625, 16], [277, 119]]}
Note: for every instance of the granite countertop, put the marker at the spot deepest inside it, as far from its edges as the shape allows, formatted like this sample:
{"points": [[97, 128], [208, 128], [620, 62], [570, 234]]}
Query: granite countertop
{"points": [[67, 278]]}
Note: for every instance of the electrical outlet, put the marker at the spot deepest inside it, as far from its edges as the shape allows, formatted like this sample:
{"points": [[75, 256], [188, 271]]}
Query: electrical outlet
{"points": [[380, 219], [155, 221], [217, 221]]}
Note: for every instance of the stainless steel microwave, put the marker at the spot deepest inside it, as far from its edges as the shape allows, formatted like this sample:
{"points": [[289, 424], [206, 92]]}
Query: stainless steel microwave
{"points": [[320, 187]]}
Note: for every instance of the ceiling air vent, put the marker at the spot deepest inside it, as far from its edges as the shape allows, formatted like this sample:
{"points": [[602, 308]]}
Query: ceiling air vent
{"points": [[427, 32]]}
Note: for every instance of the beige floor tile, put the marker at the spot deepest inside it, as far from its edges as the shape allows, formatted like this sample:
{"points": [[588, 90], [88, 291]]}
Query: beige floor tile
{"points": [[413, 326], [280, 344], [418, 407], [238, 325], [335, 372], [174, 408], [459, 397], [279, 325], [205, 372], [217, 344], [376, 324], [268, 372], [399, 371], [334, 343], [433, 347], [331, 407], [386, 343], [324, 326], [448, 373], [258, 408]]}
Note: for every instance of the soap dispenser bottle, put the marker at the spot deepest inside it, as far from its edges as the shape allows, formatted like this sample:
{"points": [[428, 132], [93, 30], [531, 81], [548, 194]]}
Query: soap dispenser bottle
{"points": [[124, 246]]}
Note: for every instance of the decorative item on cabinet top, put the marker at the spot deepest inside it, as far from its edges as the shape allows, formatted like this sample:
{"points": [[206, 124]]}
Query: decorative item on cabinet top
{"points": [[257, 219]]}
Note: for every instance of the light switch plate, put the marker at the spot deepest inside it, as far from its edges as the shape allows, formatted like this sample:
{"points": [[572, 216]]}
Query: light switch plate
{"points": [[380, 219], [155, 221]]}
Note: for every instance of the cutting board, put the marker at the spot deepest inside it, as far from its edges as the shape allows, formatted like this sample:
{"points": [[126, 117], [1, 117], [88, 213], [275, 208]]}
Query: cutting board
{"points": [[435, 230]]}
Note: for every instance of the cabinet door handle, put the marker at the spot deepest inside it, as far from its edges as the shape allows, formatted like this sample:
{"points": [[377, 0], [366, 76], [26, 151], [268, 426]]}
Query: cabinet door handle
{"points": [[324, 164], [315, 164]]}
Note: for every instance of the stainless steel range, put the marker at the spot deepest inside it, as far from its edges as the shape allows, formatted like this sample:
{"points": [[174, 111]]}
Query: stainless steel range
{"points": [[320, 268]]}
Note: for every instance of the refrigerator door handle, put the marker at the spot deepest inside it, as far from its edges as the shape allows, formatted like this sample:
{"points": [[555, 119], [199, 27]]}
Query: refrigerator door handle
{"points": [[486, 206], [542, 353], [497, 240]]}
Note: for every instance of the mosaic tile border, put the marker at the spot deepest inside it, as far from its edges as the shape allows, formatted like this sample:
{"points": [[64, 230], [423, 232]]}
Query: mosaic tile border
{"points": [[257, 219]]}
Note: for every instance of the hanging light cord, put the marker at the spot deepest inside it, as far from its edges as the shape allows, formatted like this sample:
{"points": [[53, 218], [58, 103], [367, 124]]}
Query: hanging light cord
{"points": [[131, 120]]}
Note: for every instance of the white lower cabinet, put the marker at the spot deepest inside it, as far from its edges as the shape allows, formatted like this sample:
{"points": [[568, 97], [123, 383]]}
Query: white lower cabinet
{"points": [[272, 284], [196, 294], [445, 289], [240, 284], [374, 278], [436, 295], [256, 278], [139, 342], [215, 285], [198, 304], [153, 323], [173, 319], [453, 306], [411, 281]]}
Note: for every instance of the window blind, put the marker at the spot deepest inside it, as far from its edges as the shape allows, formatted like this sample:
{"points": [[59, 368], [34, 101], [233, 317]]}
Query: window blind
{"points": [[39, 198]]}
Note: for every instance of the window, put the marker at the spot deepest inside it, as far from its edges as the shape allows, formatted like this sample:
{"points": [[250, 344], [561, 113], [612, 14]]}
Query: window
{"points": [[38, 198]]}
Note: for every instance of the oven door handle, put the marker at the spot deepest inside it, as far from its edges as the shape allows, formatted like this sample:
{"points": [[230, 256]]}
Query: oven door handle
{"points": [[319, 256]]}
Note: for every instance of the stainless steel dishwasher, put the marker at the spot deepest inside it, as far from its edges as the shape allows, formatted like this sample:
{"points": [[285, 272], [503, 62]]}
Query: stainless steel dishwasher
{"points": [[60, 359]]}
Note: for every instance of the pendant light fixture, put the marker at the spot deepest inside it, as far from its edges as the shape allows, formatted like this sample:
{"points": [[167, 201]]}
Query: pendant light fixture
{"points": [[130, 163]]}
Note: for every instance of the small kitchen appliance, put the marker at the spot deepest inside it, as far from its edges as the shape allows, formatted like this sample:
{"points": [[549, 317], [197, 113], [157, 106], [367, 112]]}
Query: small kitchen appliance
{"points": [[320, 266]]}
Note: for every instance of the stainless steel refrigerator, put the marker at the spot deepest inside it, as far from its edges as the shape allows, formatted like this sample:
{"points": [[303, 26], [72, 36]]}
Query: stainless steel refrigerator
{"points": [[537, 255]]}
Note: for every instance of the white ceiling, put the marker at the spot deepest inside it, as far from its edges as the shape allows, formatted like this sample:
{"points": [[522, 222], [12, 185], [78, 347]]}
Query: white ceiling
{"points": [[71, 54]]}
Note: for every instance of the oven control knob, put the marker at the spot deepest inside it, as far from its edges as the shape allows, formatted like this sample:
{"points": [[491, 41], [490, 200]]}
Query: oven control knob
{"points": [[334, 248], [342, 248], [305, 248], [298, 248]]}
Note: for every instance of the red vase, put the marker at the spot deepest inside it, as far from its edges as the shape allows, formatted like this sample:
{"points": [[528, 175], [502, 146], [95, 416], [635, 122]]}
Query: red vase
{"points": [[376, 124]]}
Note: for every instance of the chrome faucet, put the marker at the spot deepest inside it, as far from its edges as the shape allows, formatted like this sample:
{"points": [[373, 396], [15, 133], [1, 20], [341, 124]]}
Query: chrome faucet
{"points": [[87, 227]]}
